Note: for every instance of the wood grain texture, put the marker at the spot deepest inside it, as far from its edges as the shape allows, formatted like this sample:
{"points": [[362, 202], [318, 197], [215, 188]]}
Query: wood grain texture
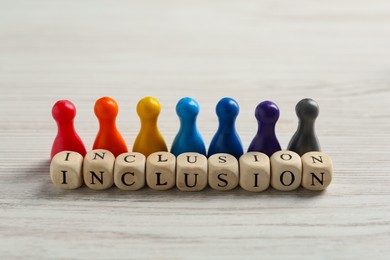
{"points": [[336, 52]]}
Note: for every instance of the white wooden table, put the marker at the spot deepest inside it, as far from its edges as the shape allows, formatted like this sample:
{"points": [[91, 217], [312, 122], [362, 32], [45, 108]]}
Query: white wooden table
{"points": [[337, 52]]}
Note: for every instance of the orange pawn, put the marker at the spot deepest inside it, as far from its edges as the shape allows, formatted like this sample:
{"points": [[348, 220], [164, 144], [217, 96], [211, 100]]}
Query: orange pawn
{"points": [[149, 139], [108, 137]]}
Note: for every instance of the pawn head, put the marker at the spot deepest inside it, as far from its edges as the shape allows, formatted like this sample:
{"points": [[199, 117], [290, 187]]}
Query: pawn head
{"points": [[63, 110], [227, 108], [187, 107], [148, 107], [267, 112], [106, 108], [307, 109]]}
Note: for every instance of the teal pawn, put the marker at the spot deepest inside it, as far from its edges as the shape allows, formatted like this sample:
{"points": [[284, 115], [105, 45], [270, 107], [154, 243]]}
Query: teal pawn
{"points": [[226, 139], [188, 139]]}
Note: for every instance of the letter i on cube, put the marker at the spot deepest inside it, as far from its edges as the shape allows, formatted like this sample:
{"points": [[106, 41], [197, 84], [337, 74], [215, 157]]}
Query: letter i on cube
{"points": [[66, 170], [255, 171]]}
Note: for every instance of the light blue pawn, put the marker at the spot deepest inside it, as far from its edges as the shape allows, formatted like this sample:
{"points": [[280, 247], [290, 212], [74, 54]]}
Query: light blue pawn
{"points": [[226, 140], [188, 139]]}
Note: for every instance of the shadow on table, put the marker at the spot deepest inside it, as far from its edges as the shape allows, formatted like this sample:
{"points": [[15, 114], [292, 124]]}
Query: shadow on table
{"points": [[48, 191]]}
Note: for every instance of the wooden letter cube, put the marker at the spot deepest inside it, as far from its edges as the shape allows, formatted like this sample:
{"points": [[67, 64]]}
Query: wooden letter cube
{"points": [[317, 171], [286, 170], [191, 172], [99, 169], [66, 170], [129, 171], [223, 171], [255, 171], [161, 170]]}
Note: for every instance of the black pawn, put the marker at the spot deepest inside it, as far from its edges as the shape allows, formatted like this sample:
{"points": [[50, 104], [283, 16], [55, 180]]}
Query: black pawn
{"points": [[305, 140]]}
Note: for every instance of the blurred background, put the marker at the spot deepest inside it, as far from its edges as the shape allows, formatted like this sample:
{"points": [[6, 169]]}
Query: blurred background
{"points": [[249, 50], [334, 51]]}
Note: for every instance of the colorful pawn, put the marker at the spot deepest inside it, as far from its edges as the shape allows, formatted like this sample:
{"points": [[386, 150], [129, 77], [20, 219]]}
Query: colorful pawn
{"points": [[149, 139], [267, 114], [67, 139], [188, 139], [226, 139], [108, 137], [305, 139]]}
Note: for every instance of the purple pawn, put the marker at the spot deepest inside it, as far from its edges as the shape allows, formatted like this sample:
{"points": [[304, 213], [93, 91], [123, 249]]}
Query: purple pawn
{"points": [[265, 141]]}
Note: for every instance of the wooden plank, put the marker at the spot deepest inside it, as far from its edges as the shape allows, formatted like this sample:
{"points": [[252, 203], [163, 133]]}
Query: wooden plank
{"points": [[333, 51]]}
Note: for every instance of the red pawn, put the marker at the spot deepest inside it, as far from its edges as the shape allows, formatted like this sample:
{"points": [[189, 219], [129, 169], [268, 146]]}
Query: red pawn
{"points": [[108, 137], [67, 139]]}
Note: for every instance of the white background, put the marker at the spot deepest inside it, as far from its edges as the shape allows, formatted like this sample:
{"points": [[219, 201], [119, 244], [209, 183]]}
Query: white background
{"points": [[337, 52]]}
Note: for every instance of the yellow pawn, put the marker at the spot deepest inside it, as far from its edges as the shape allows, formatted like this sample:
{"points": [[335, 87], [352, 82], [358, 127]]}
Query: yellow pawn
{"points": [[149, 139]]}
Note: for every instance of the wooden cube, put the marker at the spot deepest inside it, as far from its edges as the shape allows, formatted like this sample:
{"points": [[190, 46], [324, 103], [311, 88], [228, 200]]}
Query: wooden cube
{"points": [[191, 172], [286, 170], [317, 171], [255, 171], [161, 170], [99, 169], [66, 170], [223, 171], [129, 171]]}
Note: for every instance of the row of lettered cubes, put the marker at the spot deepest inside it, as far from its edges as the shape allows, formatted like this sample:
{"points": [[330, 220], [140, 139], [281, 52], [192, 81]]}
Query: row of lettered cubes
{"points": [[254, 171]]}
